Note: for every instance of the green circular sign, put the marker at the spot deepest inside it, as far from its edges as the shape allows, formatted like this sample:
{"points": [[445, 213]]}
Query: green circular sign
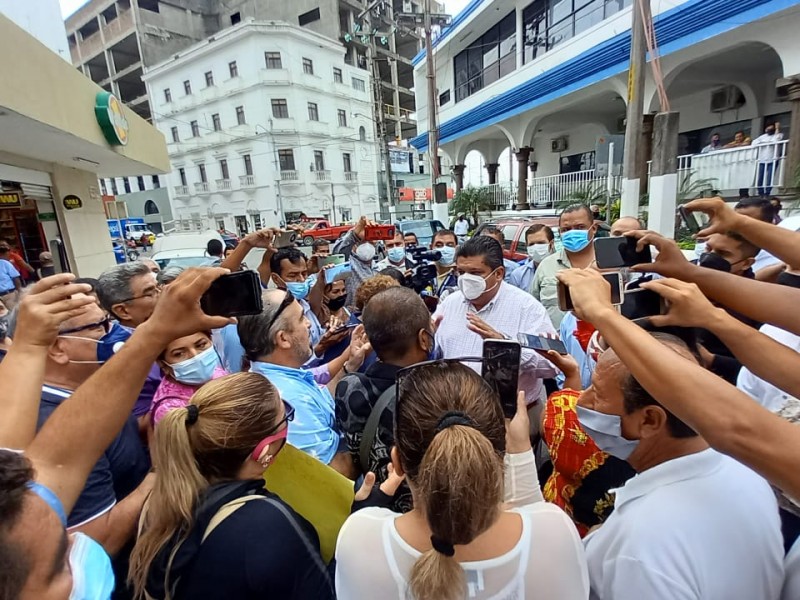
{"points": [[111, 118]]}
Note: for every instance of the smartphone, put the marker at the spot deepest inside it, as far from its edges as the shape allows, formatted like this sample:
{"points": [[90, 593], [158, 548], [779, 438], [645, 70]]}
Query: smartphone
{"points": [[640, 303], [284, 239], [377, 233], [333, 259], [501, 371], [694, 221], [345, 326], [540, 342], [334, 272], [233, 295], [619, 252], [614, 279]]}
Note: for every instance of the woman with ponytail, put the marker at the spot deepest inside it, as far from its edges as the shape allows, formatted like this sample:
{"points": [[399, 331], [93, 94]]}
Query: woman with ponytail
{"points": [[209, 529], [479, 528]]}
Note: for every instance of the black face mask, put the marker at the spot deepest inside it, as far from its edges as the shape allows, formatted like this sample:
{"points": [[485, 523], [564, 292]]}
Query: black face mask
{"points": [[770, 131], [789, 280], [709, 260], [336, 304]]}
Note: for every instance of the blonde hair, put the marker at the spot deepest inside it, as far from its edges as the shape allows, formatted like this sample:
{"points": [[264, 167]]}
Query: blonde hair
{"points": [[456, 470], [234, 413]]}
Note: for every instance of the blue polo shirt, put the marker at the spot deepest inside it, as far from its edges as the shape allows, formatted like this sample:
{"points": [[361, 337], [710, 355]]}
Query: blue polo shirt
{"points": [[314, 427], [7, 275]]}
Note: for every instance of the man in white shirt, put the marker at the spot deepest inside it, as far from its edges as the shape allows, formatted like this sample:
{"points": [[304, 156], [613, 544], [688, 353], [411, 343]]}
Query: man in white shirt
{"points": [[767, 157], [485, 308], [461, 229], [693, 524]]}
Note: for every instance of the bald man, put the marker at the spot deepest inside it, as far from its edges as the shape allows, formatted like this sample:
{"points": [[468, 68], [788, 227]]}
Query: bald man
{"points": [[625, 224]]}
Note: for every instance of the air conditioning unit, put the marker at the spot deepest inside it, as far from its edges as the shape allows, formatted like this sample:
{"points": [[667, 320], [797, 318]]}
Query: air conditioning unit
{"points": [[559, 144], [728, 98]]}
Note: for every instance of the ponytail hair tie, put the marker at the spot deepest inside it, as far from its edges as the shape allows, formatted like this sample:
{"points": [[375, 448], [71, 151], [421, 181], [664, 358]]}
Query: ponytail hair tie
{"points": [[442, 547], [454, 417], [192, 413]]}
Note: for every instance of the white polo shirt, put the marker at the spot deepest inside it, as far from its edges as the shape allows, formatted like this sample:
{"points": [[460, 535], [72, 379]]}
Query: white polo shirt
{"points": [[767, 395], [699, 527]]}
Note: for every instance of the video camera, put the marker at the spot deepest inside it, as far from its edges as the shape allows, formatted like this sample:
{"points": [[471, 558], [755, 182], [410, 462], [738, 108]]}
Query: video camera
{"points": [[424, 271]]}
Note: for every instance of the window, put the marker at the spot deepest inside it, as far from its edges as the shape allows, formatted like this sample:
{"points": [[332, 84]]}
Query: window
{"points": [[156, 182], [444, 97], [114, 187], [248, 165], [337, 75], [280, 110], [233, 69], [150, 208], [348, 166], [308, 66], [313, 112], [167, 95], [127, 185], [175, 137], [273, 60], [309, 17], [257, 221], [319, 161], [202, 168], [236, 18], [187, 87], [217, 123], [223, 169], [209, 79], [487, 59], [346, 216], [140, 183], [342, 117], [286, 160], [240, 115], [182, 175], [509, 233], [359, 85], [195, 129], [362, 134]]}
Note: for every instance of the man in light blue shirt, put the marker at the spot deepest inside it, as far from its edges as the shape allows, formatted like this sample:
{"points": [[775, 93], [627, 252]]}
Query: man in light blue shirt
{"points": [[540, 243], [10, 280], [567, 332], [278, 344]]}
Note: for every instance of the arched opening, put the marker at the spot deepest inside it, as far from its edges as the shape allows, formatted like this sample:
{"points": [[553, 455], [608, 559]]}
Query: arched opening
{"points": [[362, 134], [150, 208]]}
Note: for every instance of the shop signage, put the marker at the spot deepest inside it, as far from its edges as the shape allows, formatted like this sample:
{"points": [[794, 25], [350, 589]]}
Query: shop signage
{"points": [[10, 200], [43, 217], [71, 202], [108, 111]]}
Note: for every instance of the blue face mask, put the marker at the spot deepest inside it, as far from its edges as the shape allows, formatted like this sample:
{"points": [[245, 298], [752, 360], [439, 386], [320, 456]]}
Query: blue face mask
{"points": [[606, 431], [198, 369], [111, 342], [448, 255], [92, 576], [575, 240], [397, 254], [299, 289]]}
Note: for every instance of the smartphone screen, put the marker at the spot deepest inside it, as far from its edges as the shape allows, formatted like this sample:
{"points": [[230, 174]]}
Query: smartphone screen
{"points": [[539, 342], [333, 259], [501, 371], [694, 221], [641, 303], [614, 279], [233, 295], [379, 232], [333, 272], [619, 252]]}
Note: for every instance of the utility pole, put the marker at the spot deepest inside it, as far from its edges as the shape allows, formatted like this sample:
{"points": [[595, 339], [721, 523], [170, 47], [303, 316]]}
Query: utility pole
{"points": [[433, 131], [333, 204], [632, 171]]}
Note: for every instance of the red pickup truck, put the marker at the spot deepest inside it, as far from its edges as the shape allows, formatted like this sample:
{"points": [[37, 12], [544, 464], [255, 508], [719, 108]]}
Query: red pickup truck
{"points": [[321, 230]]}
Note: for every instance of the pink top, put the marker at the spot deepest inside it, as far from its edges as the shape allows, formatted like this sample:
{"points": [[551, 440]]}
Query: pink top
{"points": [[172, 394]]}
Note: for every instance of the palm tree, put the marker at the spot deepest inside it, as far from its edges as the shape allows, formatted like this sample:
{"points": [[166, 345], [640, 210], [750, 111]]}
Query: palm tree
{"points": [[470, 201]]}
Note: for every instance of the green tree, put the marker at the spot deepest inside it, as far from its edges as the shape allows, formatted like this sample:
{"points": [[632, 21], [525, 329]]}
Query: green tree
{"points": [[470, 201]]}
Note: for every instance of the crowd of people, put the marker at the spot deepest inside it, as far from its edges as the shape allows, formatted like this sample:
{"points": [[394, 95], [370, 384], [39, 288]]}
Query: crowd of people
{"points": [[656, 458]]}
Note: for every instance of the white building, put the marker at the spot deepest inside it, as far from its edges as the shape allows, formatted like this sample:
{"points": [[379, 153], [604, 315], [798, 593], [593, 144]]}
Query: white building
{"points": [[261, 119], [42, 19], [547, 79]]}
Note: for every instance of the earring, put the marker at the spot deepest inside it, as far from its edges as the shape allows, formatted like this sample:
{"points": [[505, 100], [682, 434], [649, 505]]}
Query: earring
{"points": [[264, 459]]}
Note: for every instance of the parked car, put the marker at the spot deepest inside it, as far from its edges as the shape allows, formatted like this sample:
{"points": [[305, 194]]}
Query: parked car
{"points": [[184, 249], [310, 231], [424, 230], [514, 229]]}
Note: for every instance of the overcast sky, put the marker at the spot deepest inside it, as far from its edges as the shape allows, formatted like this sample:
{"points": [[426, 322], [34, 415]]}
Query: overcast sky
{"points": [[70, 6]]}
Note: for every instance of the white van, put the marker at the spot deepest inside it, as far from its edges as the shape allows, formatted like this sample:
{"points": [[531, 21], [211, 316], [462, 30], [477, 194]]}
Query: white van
{"points": [[184, 249]]}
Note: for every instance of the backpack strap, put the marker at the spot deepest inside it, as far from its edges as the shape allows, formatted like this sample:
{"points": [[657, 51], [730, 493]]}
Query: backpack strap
{"points": [[226, 510], [371, 428]]}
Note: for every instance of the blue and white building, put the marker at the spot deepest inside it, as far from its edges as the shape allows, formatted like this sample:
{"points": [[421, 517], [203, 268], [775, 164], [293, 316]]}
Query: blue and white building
{"points": [[547, 80]]}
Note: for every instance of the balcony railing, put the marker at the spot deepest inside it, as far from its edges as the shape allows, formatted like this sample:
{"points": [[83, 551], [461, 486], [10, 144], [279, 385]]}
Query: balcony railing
{"points": [[202, 187], [351, 177], [322, 176], [247, 181], [181, 191], [552, 191], [289, 176], [224, 185]]}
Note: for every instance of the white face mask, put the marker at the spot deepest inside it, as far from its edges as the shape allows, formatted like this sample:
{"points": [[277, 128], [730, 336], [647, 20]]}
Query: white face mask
{"points": [[472, 286], [538, 252], [699, 249], [365, 252]]}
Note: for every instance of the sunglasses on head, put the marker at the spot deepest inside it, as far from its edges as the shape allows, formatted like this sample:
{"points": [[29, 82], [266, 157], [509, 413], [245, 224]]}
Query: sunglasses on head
{"points": [[287, 300]]}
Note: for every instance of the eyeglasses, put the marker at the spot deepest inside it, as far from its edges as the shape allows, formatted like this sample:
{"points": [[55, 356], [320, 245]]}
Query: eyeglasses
{"points": [[279, 433], [105, 324], [287, 300], [148, 293]]}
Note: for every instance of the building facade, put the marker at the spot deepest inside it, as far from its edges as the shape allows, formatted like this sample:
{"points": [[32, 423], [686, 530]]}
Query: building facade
{"points": [[548, 80], [265, 121]]}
